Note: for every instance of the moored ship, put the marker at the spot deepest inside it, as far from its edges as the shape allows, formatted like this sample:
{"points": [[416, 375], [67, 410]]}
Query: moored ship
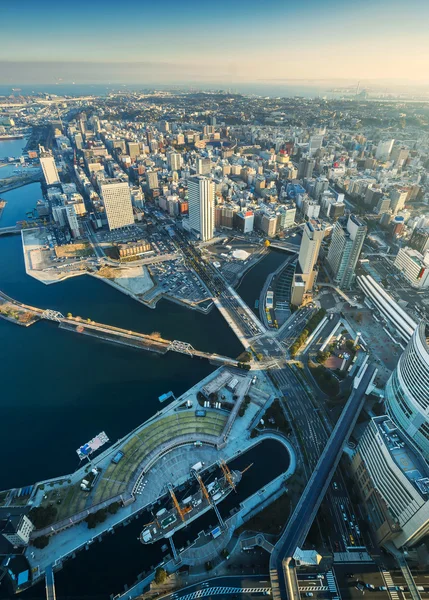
{"points": [[167, 521]]}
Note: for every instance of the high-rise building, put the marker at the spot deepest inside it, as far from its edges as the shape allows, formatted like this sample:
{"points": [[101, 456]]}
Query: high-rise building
{"points": [[419, 239], [305, 272], [312, 237], [152, 180], [49, 168], [399, 155], [383, 205], [315, 144], [398, 197], [305, 167], [133, 149], [407, 391], [346, 245], [203, 166], [393, 479], [174, 160], [212, 121], [384, 149], [413, 266], [116, 198], [164, 126], [201, 199]]}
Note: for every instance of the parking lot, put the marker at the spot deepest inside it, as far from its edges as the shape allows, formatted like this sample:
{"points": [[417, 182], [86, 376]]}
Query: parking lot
{"points": [[176, 280]]}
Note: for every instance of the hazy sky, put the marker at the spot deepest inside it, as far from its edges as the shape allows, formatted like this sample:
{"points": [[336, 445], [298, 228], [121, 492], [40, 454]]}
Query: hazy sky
{"points": [[221, 41]]}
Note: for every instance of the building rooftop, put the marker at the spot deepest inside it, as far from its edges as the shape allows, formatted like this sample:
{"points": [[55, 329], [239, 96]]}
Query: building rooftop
{"points": [[406, 458]]}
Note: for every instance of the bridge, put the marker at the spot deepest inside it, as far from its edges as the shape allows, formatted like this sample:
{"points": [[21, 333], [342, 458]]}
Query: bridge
{"points": [[282, 571], [11, 183], [126, 337], [13, 229], [287, 246], [50, 584]]}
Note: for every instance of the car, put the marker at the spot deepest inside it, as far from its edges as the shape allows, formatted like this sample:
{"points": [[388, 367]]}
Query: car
{"points": [[335, 485]]}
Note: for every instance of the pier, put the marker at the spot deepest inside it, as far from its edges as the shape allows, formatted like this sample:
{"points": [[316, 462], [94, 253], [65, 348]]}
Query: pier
{"points": [[117, 335]]}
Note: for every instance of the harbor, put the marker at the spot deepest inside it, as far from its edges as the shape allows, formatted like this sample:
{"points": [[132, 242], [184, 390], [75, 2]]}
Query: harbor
{"points": [[135, 473]]}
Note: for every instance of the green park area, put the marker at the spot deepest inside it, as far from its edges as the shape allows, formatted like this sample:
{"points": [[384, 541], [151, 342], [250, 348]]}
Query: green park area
{"points": [[66, 500], [116, 477]]}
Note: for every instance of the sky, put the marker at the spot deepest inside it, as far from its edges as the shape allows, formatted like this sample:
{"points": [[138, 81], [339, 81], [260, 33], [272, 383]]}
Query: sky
{"points": [[226, 41]]}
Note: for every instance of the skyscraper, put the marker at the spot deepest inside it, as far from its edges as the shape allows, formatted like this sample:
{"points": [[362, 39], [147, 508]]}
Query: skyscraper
{"points": [[201, 194], [116, 198], [407, 391], [203, 166], [152, 179], [305, 272], [346, 245], [315, 144], [398, 197], [49, 168], [305, 167], [174, 160], [384, 149]]}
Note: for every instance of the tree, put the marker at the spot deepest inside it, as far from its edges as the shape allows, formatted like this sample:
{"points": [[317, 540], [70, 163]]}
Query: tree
{"points": [[41, 542], [160, 576], [94, 518], [42, 516], [69, 315], [245, 357], [350, 345], [113, 508]]}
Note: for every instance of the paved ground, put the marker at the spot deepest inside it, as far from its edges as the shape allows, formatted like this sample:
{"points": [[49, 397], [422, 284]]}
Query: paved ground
{"points": [[379, 343]]}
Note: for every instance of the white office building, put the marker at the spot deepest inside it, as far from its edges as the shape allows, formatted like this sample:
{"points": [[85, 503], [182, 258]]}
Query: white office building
{"points": [[384, 149], [393, 479], [116, 199], [201, 200], [414, 267], [49, 168]]}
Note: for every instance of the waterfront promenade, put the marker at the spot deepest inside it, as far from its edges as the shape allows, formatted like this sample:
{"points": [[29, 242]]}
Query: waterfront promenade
{"points": [[173, 454]]}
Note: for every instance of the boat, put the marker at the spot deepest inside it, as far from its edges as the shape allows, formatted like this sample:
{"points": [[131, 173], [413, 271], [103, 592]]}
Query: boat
{"points": [[167, 521]]}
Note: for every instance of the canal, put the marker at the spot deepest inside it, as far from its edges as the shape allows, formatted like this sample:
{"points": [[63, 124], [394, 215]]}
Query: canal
{"points": [[253, 281]]}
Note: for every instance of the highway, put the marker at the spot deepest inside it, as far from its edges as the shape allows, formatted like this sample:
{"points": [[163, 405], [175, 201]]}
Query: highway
{"points": [[300, 522], [293, 327]]}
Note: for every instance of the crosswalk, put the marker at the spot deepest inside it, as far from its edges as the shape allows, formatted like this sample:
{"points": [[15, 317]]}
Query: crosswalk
{"points": [[314, 588], [389, 584], [219, 591], [332, 585]]}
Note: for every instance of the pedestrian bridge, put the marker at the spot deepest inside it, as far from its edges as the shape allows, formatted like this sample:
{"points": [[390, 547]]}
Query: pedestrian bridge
{"points": [[154, 343], [10, 230]]}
